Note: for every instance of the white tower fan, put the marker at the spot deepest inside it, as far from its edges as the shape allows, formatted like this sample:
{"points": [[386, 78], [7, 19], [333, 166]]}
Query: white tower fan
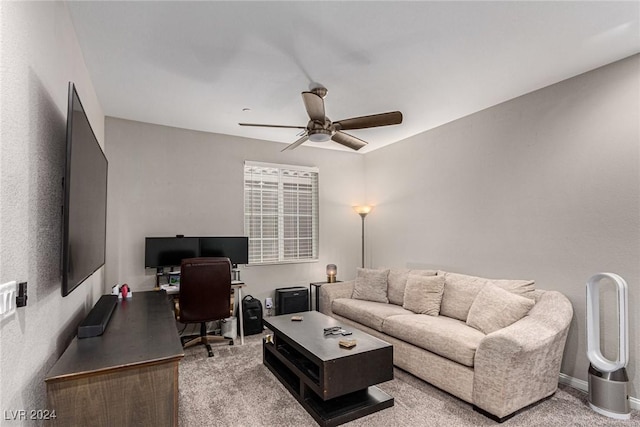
{"points": [[608, 380]]}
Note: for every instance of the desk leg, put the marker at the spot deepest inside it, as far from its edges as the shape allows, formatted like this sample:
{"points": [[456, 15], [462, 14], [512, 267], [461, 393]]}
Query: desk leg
{"points": [[240, 315]]}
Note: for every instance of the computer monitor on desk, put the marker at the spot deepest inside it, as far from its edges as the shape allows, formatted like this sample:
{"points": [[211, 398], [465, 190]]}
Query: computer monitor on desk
{"points": [[163, 252], [170, 251], [234, 248]]}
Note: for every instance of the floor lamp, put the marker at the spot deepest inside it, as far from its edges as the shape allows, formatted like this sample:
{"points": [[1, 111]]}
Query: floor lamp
{"points": [[362, 211]]}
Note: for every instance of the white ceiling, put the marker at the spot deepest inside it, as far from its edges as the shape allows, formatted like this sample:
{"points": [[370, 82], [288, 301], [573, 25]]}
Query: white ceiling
{"points": [[197, 65]]}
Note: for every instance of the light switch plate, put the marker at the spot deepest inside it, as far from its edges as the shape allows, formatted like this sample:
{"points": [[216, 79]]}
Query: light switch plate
{"points": [[8, 293]]}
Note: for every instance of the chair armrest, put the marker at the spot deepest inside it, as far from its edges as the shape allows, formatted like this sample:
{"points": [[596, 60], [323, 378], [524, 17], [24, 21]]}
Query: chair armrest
{"points": [[331, 291], [520, 364]]}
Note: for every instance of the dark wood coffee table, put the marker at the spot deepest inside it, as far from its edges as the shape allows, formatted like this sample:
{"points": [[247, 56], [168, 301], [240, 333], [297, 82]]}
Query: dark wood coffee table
{"points": [[335, 385]]}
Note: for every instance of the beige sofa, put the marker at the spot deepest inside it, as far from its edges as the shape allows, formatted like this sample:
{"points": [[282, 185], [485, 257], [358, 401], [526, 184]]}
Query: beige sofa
{"points": [[499, 372]]}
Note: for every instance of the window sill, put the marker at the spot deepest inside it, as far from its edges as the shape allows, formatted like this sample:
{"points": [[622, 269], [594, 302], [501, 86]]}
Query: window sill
{"points": [[297, 261]]}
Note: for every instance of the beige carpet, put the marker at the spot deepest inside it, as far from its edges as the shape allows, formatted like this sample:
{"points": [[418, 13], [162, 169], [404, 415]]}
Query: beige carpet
{"points": [[235, 389]]}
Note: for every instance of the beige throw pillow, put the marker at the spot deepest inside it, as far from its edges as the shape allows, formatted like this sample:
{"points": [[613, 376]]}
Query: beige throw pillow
{"points": [[496, 308], [461, 290], [423, 294], [398, 280], [371, 285]]}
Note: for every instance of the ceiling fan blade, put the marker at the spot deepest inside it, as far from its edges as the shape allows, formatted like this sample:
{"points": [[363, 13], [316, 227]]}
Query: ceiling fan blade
{"points": [[375, 120], [302, 139], [348, 140], [314, 105], [272, 126]]}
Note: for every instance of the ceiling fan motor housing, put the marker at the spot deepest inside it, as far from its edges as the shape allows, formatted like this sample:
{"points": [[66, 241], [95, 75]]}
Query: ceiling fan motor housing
{"points": [[318, 89]]}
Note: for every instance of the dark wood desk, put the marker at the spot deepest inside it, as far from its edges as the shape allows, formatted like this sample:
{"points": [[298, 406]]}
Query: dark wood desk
{"points": [[126, 376]]}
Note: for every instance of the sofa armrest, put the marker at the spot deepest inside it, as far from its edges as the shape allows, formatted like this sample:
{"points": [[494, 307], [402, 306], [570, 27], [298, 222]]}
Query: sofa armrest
{"points": [[331, 291], [520, 364]]}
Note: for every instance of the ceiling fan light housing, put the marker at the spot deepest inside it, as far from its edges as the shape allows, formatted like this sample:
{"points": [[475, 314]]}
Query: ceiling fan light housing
{"points": [[320, 135]]}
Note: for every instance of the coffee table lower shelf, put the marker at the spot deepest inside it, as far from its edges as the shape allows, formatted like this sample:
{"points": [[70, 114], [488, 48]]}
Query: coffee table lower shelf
{"points": [[331, 412]]}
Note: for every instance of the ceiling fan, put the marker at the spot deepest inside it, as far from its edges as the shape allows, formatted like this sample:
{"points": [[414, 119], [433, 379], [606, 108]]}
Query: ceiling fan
{"points": [[321, 129]]}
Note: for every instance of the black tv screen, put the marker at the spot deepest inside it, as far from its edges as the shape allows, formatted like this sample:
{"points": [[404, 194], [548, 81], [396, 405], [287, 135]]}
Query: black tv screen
{"points": [[169, 251], [85, 199], [234, 248]]}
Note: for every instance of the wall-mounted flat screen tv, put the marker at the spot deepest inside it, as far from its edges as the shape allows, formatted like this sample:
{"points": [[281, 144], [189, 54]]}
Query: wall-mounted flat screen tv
{"points": [[85, 199]]}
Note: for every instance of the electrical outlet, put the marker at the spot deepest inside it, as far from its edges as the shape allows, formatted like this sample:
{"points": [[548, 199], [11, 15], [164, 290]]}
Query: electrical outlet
{"points": [[21, 299], [268, 303], [8, 299]]}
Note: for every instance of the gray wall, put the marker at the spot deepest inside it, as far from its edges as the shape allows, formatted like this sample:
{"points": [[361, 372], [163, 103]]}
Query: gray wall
{"points": [[545, 186], [165, 181], [40, 55]]}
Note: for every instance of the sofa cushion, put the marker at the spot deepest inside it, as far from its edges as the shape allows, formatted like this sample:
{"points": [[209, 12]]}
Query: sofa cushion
{"points": [[525, 288], [371, 285], [461, 290], [441, 335], [397, 281], [423, 294], [368, 313], [495, 308]]}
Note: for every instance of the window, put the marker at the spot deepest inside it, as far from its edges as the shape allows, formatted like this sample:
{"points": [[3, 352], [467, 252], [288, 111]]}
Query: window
{"points": [[280, 212]]}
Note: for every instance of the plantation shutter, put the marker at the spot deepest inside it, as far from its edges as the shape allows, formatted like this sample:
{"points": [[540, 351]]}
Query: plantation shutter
{"points": [[281, 212]]}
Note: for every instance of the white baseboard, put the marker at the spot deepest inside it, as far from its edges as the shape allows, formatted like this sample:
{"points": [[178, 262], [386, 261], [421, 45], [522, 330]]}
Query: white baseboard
{"points": [[574, 382], [584, 386]]}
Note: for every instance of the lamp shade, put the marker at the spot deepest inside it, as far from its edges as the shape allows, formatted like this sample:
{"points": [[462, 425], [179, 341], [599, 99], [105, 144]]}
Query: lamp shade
{"points": [[362, 210], [332, 272]]}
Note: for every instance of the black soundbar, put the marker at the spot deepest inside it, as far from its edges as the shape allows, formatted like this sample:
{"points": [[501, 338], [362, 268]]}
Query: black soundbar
{"points": [[96, 321]]}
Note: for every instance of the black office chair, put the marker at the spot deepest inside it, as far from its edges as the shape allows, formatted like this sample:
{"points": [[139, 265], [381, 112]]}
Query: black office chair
{"points": [[205, 295]]}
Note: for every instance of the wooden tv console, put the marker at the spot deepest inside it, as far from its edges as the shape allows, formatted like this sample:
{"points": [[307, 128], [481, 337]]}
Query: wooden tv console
{"points": [[126, 376]]}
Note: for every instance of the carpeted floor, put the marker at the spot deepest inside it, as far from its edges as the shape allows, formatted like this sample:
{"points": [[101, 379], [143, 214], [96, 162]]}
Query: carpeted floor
{"points": [[234, 388]]}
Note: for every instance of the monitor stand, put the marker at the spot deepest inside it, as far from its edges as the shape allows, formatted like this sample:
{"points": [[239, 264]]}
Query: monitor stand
{"points": [[235, 273]]}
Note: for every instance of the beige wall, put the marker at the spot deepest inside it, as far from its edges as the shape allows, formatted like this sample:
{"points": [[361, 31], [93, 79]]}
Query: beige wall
{"points": [[545, 186], [165, 181], [39, 55]]}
